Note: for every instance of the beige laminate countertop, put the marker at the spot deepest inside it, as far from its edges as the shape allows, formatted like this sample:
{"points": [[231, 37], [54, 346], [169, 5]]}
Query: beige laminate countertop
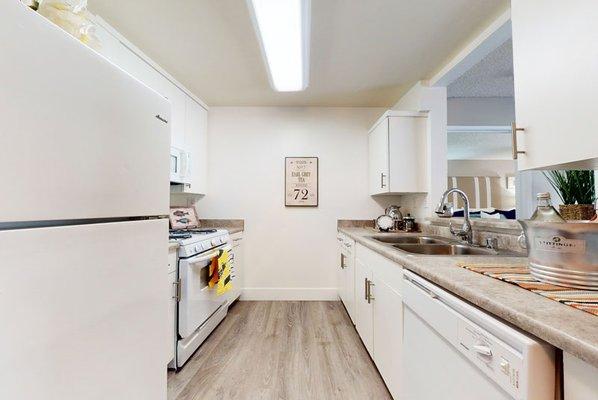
{"points": [[231, 225], [573, 331]]}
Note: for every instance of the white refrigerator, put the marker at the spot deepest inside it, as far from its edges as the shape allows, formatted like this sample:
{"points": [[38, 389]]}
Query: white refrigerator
{"points": [[84, 191]]}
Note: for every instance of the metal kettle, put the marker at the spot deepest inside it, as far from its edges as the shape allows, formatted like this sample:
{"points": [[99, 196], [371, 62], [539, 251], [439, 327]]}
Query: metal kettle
{"points": [[397, 216]]}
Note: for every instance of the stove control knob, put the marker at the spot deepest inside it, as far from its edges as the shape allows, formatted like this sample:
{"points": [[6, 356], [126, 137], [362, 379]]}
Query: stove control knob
{"points": [[197, 248], [215, 242]]}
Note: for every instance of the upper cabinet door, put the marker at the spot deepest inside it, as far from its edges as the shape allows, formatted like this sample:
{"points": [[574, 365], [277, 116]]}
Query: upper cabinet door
{"points": [[407, 163], [397, 151], [178, 104], [121, 56], [378, 161], [196, 144], [125, 58], [555, 58]]}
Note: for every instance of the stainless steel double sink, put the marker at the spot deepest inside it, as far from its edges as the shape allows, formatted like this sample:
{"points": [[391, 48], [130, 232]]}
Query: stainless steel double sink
{"points": [[436, 246]]}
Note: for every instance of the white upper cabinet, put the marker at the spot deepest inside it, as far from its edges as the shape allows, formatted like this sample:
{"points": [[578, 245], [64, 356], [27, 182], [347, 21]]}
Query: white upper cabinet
{"points": [[117, 52], [188, 118], [397, 153], [196, 144], [178, 114], [378, 161], [555, 60]]}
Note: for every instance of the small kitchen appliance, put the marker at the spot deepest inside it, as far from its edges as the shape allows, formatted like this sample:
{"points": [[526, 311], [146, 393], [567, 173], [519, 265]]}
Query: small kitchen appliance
{"points": [[180, 162]]}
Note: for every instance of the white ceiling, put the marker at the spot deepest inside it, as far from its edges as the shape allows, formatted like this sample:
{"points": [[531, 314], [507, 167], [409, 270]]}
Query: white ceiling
{"points": [[491, 77], [363, 53]]}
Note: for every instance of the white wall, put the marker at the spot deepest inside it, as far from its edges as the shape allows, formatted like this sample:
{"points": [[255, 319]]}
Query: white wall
{"points": [[480, 111], [290, 253], [432, 100]]}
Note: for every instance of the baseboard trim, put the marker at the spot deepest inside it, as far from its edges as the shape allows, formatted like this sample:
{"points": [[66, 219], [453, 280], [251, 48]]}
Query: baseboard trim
{"points": [[289, 294]]}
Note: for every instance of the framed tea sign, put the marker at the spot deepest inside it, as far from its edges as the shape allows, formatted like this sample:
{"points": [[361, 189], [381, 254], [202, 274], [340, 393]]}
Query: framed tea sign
{"points": [[301, 181]]}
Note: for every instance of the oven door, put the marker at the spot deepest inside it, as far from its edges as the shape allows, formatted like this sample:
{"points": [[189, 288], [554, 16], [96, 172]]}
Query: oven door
{"points": [[198, 301]]}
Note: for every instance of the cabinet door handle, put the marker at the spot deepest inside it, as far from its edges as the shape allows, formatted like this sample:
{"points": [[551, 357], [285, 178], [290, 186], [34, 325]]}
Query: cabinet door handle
{"points": [[365, 286], [370, 298], [177, 290], [382, 176], [514, 131]]}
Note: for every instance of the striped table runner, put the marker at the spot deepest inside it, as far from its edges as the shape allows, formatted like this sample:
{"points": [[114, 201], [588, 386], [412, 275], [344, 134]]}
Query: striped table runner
{"points": [[585, 300]]}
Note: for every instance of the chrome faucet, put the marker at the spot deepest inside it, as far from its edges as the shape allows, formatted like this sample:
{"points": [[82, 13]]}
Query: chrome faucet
{"points": [[445, 210]]}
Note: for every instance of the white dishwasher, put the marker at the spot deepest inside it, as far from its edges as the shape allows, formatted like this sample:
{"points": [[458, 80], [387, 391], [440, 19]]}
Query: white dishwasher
{"points": [[454, 351]]}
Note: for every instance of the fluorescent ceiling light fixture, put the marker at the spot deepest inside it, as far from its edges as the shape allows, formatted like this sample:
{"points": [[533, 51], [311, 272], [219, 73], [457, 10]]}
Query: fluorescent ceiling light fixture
{"points": [[282, 28]]}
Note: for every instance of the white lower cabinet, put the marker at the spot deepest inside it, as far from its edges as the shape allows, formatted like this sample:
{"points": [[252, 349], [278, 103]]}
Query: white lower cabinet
{"points": [[238, 257], [379, 313], [364, 319], [580, 379], [340, 273], [345, 274]]}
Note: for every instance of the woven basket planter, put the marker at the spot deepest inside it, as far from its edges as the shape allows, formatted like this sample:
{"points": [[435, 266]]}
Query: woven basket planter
{"points": [[577, 212]]}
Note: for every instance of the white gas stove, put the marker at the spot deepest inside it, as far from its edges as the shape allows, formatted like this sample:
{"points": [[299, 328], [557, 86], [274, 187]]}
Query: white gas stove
{"points": [[199, 308]]}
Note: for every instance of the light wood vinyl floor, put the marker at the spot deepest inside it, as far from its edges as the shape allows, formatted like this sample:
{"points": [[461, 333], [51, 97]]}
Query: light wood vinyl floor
{"points": [[283, 351]]}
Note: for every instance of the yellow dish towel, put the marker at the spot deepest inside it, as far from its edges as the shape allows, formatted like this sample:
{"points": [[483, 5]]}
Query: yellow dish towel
{"points": [[220, 273]]}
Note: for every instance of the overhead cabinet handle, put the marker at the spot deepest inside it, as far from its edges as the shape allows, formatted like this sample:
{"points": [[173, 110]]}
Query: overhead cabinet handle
{"points": [[382, 176], [514, 131], [365, 286]]}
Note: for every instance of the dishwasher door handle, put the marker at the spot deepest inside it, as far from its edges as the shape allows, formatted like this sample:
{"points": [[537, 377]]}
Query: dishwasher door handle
{"points": [[422, 287]]}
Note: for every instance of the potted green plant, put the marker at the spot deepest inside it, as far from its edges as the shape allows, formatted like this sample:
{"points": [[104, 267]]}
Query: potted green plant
{"points": [[577, 191]]}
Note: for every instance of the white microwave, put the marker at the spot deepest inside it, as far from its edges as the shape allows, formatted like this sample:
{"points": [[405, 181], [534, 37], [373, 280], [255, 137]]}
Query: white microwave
{"points": [[180, 162]]}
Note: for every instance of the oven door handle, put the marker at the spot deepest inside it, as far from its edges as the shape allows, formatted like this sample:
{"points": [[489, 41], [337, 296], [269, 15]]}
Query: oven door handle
{"points": [[206, 257]]}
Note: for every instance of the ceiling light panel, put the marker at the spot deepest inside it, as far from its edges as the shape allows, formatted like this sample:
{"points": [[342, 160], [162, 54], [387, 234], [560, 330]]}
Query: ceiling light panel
{"points": [[283, 29]]}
